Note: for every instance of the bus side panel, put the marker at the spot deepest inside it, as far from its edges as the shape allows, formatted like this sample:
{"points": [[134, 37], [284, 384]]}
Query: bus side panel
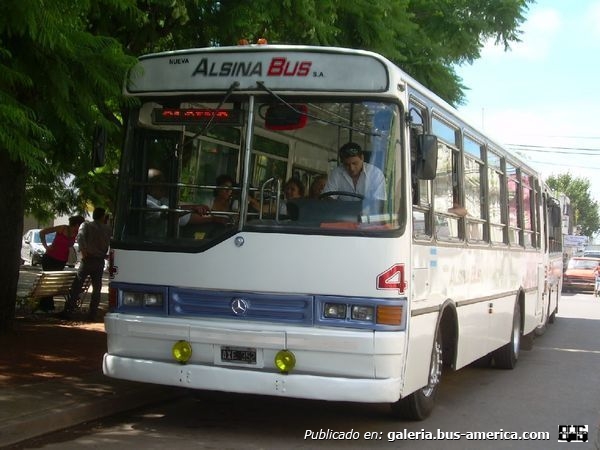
{"points": [[501, 319], [474, 334], [533, 317], [421, 333]]}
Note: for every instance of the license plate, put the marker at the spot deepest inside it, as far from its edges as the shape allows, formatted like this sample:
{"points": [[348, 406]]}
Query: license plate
{"points": [[238, 355]]}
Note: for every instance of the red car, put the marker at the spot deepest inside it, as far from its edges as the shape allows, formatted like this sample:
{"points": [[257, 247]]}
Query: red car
{"points": [[579, 275]]}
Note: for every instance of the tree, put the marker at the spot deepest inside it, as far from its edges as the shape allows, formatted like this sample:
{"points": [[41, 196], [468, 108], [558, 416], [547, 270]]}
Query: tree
{"points": [[62, 66], [585, 210], [427, 38], [55, 78]]}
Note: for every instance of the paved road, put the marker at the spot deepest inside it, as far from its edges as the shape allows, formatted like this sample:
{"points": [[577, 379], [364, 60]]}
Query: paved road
{"points": [[554, 384]]}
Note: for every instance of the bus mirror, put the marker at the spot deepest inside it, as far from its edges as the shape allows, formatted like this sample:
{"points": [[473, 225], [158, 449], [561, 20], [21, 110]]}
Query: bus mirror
{"points": [[426, 162], [556, 216], [99, 147], [285, 117]]}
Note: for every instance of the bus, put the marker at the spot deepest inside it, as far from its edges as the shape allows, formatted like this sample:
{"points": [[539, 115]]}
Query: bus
{"points": [[346, 295]]}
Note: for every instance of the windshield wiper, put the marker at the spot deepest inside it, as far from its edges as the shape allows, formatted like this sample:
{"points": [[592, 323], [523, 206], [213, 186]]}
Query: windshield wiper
{"points": [[204, 129], [261, 84]]}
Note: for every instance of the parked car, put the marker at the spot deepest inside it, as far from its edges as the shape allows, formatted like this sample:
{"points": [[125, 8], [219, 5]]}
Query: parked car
{"points": [[32, 249], [579, 275]]}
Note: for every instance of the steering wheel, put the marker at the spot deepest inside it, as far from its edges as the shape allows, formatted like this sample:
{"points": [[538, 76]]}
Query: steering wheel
{"points": [[346, 193]]}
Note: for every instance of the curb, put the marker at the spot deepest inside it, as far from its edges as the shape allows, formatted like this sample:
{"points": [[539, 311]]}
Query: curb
{"points": [[66, 404]]}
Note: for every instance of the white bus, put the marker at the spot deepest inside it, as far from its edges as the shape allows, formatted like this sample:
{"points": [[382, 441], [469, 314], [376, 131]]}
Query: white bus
{"points": [[356, 294]]}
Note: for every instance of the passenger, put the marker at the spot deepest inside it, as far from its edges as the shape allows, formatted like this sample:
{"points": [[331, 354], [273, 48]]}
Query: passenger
{"points": [[355, 176], [223, 194], [317, 186], [223, 200], [157, 198], [457, 208], [293, 188]]}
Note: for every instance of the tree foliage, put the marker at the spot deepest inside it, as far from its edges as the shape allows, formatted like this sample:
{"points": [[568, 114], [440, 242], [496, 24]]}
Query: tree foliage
{"points": [[62, 66], [585, 210], [55, 79]]}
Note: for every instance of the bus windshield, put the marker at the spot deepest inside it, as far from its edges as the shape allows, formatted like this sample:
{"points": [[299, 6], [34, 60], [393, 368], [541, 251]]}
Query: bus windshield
{"points": [[195, 172]]}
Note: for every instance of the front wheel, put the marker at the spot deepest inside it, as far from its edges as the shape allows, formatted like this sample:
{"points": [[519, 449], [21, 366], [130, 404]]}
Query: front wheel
{"points": [[506, 356], [419, 404]]}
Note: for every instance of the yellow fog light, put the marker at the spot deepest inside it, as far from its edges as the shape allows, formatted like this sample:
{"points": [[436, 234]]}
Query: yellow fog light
{"points": [[285, 361], [182, 351]]}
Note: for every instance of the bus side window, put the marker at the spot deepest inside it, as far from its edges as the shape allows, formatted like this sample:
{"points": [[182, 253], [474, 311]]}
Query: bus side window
{"points": [[421, 199]]}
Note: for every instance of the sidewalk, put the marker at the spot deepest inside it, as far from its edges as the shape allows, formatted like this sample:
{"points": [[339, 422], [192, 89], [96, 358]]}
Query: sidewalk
{"points": [[51, 376]]}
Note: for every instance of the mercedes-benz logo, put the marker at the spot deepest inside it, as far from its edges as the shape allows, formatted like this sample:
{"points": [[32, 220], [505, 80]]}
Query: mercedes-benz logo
{"points": [[239, 306]]}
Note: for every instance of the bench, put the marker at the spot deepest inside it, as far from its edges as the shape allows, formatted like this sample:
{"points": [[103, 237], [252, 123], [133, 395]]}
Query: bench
{"points": [[55, 283]]}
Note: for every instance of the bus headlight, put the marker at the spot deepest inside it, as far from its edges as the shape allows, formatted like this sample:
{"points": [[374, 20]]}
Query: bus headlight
{"points": [[334, 311], [153, 299], [132, 299], [365, 313], [140, 299]]}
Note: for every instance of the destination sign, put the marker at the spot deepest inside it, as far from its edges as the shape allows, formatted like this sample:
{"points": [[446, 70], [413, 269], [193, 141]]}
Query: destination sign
{"points": [[211, 70]]}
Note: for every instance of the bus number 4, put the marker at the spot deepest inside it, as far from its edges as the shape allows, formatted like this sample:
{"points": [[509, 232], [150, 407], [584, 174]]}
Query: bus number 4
{"points": [[392, 278]]}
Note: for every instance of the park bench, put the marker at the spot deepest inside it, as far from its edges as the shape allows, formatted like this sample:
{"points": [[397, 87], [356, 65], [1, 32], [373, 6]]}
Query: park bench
{"points": [[55, 283]]}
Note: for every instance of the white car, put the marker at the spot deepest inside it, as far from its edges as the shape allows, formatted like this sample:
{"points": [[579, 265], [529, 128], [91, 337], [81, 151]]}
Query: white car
{"points": [[32, 249]]}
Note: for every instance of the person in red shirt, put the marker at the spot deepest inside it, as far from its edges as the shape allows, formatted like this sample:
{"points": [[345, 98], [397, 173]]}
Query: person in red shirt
{"points": [[57, 253]]}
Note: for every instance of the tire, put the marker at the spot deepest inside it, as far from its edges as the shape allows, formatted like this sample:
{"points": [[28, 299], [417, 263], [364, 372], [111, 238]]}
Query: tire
{"points": [[484, 362], [419, 404], [552, 315], [541, 329], [506, 357]]}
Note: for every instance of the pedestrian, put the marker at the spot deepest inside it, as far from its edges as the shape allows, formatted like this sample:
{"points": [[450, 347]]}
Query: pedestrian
{"points": [[94, 240], [57, 252], [597, 280]]}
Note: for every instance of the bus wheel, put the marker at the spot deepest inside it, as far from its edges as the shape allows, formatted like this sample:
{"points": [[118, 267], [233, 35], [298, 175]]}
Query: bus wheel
{"points": [[506, 356], [483, 362], [552, 316], [419, 404]]}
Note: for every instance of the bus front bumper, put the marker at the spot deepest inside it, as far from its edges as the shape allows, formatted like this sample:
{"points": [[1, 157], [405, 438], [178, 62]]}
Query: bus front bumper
{"points": [[253, 382]]}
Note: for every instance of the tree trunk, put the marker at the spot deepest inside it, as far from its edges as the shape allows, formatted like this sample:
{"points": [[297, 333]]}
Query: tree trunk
{"points": [[12, 207]]}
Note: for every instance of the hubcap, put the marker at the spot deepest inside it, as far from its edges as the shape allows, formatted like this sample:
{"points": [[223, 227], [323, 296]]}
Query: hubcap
{"points": [[516, 333], [435, 371]]}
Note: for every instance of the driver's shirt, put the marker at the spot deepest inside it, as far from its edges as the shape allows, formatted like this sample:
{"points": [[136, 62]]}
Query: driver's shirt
{"points": [[371, 183]]}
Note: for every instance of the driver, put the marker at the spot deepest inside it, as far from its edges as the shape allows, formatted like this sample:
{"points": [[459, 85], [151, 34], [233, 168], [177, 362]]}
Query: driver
{"points": [[355, 176]]}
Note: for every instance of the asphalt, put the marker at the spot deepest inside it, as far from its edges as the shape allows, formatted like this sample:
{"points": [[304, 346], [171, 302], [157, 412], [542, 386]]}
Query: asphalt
{"points": [[33, 409]]}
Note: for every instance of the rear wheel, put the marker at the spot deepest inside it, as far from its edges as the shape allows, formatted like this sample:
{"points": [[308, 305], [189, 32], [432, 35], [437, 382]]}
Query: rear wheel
{"points": [[483, 362], [552, 316], [506, 356], [419, 404]]}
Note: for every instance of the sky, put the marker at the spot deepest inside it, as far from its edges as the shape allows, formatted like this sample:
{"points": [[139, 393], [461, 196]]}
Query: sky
{"points": [[541, 99]]}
